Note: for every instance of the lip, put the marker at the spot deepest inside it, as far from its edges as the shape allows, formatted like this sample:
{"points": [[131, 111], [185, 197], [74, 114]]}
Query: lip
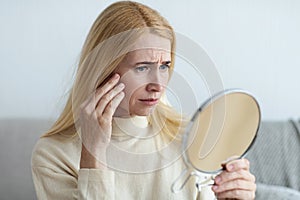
{"points": [[149, 102]]}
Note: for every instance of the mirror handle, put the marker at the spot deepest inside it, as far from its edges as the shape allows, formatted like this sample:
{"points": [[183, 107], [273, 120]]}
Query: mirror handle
{"points": [[181, 180]]}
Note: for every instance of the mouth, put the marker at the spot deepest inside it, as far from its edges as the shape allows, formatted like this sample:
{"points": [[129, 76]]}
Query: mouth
{"points": [[149, 101]]}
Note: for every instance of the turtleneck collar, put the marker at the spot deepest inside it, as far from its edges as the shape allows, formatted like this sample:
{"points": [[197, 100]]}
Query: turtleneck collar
{"points": [[135, 126], [137, 121]]}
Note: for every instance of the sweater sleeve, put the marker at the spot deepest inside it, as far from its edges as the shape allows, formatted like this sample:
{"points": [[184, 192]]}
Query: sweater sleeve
{"points": [[56, 173], [91, 184], [96, 184]]}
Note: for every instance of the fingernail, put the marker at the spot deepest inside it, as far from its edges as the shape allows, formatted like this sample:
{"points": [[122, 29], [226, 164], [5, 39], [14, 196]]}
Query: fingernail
{"points": [[218, 179], [215, 187], [116, 76], [229, 167], [121, 85]]}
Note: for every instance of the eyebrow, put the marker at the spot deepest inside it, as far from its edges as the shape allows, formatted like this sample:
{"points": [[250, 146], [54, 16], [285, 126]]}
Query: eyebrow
{"points": [[151, 63]]}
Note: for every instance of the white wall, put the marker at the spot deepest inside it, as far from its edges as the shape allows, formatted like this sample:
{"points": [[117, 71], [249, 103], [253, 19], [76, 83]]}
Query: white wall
{"points": [[255, 45]]}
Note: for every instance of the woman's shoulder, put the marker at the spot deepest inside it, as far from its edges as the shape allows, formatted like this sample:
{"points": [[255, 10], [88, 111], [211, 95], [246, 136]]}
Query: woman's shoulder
{"points": [[57, 143], [57, 152]]}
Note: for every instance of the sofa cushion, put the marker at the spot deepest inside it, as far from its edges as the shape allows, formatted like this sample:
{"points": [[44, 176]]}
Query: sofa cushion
{"points": [[17, 138], [273, 192], [275, 155]]}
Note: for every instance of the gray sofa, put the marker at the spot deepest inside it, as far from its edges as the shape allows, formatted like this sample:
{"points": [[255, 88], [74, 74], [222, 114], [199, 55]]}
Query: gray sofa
{"points": [[17, 138], [275, 158]]}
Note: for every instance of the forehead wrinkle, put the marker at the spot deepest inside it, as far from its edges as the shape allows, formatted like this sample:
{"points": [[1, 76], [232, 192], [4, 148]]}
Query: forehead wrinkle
{"points": [[149, 55]]}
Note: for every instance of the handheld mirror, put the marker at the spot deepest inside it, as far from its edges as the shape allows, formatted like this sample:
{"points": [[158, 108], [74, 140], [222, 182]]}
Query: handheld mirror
{"points": [[224, 126]]}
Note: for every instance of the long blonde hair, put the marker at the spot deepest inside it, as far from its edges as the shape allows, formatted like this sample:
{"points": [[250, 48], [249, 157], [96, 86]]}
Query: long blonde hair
{"points": [[107, 43]]}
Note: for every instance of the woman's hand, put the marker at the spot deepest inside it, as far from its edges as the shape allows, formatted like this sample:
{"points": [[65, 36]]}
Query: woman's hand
{"points": [[235, 182], [96, 122]]}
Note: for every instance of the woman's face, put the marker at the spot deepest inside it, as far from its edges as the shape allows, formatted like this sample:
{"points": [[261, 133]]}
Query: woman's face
{"points": [[145, 73]]}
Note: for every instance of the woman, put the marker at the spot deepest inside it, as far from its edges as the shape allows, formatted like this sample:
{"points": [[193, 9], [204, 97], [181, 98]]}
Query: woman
{"points": [[117, 138]]}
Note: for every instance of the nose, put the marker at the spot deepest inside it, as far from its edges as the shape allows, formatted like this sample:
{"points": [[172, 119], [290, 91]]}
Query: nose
{"points": [[154, 87], [155, 84]]}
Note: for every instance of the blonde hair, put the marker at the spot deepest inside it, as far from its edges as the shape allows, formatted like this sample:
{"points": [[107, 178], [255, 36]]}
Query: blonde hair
{"points": [[107, 43]]}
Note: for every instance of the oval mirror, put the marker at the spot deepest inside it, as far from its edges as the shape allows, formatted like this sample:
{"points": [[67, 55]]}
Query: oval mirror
{"points": [[224, 126]]}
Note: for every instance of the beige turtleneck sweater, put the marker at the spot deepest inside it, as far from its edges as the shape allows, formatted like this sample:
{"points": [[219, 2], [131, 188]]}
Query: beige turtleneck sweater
{"points": [[140, 166]]}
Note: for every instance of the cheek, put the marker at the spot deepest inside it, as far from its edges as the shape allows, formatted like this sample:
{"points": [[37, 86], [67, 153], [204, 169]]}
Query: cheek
{"points": [[135, 84], [131, 84], [135, 95], [166, 79]]}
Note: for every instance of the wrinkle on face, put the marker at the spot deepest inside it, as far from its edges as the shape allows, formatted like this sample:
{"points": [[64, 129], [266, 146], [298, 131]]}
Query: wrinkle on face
{"points": [[137, 84]]}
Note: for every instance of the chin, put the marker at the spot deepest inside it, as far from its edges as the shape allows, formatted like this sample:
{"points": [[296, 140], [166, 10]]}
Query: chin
{"points": [[144, 112]]}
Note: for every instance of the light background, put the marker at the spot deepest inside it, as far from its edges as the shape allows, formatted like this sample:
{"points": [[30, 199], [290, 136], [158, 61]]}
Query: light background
{"points": [[254, 43]]}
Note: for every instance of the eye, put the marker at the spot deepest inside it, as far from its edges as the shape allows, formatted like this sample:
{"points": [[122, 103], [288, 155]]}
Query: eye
{"points": [[141, 68], [164, 67]]}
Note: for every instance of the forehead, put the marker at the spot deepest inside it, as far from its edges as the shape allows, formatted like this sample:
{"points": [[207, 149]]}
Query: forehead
{"points": [[150, 47], [152, 41], [151, 55]]}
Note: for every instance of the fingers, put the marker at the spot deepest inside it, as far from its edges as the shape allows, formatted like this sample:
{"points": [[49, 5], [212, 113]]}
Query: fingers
{"points": [[229, 176], [242, 175], [236, 194], [109, 99], [235, 181], [101, 91], [108, 91], [235, 188], [112, 106], [235, 165]]}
